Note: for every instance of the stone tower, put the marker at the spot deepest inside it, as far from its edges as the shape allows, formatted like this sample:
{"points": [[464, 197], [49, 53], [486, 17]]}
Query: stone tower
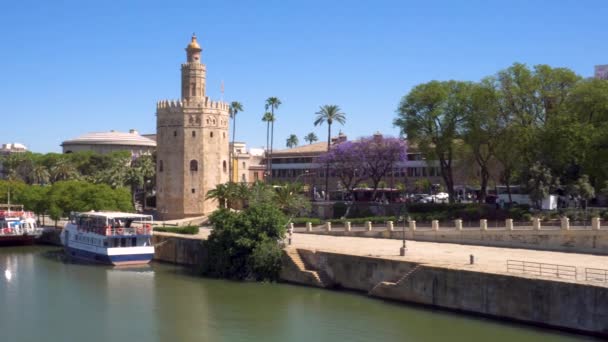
{"points": [[192, 145]]}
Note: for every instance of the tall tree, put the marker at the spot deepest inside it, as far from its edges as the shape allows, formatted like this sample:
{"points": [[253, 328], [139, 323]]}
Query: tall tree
{"points": [[481, 127], [268, 118], [273, 104], [329, 114], [146, 167], [431, 117], [235, 108], [292, 141], [310, 138]]}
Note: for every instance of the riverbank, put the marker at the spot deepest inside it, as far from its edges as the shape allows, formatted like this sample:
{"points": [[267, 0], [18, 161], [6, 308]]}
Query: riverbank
{"points": [[437, 275]]}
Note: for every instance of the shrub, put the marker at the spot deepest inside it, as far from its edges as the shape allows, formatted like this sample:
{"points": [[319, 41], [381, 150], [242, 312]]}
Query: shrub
{"points": [[187, 230], [245, 244], [302, 221]]}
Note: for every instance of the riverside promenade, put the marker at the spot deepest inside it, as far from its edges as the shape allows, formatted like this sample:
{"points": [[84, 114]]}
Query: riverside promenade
{"points": [[457, 256]]}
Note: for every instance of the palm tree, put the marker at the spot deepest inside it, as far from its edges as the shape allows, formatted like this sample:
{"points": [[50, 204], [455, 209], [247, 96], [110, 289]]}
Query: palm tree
{"points": [[329, 113], [272, 103], [310, 138], [235, 107], [220, 193], [39, 174], [292, 141], [63, 170], [268, 118]]}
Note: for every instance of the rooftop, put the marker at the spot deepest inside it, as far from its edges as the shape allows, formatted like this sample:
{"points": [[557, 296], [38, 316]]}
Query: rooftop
{"points": [[132, 138], [315, 148]]}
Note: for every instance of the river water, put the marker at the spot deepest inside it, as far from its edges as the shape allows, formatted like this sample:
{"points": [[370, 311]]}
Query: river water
{"points": [[44, 298]]}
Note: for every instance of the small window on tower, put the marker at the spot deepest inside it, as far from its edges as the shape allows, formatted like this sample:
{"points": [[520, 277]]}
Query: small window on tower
{"points": [[193, 165], [174, 133], [211, 134], [193, 190], [224, 134], [193, 134], [224, 165], [160, 166]]}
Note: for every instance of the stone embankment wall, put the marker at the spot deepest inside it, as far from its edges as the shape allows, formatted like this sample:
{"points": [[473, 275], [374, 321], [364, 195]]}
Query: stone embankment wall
{"points": [[180, 250], [593, 239], [553, 303]]}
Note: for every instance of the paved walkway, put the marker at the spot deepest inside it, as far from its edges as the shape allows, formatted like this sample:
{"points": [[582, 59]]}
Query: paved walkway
{"points": [[487, 259]]}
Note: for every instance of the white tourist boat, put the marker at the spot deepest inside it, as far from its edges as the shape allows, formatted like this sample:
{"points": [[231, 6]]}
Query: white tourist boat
{"points": [[112, 238], [17, 226]]}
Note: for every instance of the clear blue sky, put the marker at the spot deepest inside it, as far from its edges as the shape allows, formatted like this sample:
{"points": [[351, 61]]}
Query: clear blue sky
{"points": [[71, 67]]}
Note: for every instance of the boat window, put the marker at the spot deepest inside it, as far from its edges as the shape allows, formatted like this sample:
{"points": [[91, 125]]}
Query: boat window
{"points": [[134, 242], [105, 243], [123, 242]]}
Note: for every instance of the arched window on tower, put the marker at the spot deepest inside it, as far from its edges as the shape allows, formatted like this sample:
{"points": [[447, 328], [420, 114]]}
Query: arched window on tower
{"points": [[193, 134], [193, 165], [160, 166], [224, 166]]}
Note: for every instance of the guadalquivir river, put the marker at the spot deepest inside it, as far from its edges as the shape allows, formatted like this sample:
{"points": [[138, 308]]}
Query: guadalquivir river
{"points": [[43, 298]]}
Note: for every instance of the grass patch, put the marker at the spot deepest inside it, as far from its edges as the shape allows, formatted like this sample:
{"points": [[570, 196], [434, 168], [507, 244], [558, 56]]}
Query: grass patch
{"points": [[186, 230]]}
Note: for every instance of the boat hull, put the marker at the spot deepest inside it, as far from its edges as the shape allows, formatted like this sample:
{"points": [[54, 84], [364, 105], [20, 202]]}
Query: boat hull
{"points": [[116, 260], [17, 240]]}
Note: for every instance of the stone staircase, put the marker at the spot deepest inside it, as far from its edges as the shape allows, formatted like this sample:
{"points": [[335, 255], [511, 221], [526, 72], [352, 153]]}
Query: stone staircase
{"points": [[294, 256], [399, 281]]}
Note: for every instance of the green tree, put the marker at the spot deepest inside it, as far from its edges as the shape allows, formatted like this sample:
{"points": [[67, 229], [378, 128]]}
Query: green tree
{"points": [[147, 168], [329, 114], [221, 194], [292, 141], [310, 138], [431, 116], [39, 174], [584, 189], [63, 170], [540, 183], [273, 104], [481, 127], [290, 200], [245, 244], [235, 108]]}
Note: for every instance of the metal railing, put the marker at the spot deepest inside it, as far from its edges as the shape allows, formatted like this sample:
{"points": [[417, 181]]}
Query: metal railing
{"points": [[596, 274], [541, 269]]}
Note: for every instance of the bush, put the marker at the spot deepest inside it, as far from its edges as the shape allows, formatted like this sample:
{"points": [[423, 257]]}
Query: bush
{"points": [[186, 230], [245, 244], [300, 221]]}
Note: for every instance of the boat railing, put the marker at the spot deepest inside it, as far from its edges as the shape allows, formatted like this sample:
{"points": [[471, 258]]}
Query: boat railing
{"points": [[145, 229], [19, 231]]}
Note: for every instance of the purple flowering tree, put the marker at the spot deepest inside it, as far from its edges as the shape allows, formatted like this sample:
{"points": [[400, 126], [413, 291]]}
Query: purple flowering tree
{"points": [[370, 158], [380, 154], [346, 162]]}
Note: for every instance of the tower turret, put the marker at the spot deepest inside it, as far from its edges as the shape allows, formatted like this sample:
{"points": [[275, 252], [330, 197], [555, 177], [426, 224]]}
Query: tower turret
{"points": [[191, 145], [193, 72]]}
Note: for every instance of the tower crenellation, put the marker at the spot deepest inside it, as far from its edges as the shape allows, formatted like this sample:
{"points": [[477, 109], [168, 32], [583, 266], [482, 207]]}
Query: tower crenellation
{"points": [[192, 144]]}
